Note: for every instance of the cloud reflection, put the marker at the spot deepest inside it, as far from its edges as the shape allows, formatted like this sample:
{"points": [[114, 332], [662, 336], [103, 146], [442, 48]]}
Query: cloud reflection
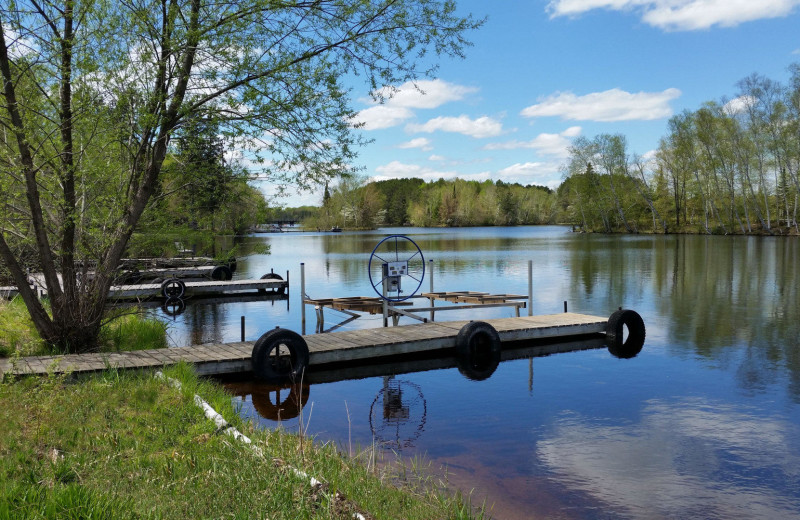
{"points": [[689, 458]]}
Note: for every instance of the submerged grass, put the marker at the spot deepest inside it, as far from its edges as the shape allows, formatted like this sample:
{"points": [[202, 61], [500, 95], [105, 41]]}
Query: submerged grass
{"points": [[127, 445]]}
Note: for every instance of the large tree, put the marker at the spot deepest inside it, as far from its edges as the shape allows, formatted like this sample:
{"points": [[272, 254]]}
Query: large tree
{"points": [[93, 90]]}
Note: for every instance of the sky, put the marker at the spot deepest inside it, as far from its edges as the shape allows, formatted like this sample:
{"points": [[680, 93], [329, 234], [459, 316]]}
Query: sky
{"points": [[542, 72]]}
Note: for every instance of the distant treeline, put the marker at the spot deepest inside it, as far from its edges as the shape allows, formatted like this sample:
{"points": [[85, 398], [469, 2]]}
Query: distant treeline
{"points": [[729, 168], [414, 202]]}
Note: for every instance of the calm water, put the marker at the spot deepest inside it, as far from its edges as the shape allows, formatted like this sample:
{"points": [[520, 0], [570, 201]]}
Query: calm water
{"points": [[704, 422]]}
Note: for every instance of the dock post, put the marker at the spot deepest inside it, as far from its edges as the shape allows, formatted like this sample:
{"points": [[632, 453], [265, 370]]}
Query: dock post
{"points": [[430, 279], [242, 328], [303, 297], [530, 287], [385, 305]]}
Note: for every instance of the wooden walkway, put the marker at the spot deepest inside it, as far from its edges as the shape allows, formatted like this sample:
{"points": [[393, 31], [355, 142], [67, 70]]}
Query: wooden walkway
{"points": [[153, 290], [327, 348]]}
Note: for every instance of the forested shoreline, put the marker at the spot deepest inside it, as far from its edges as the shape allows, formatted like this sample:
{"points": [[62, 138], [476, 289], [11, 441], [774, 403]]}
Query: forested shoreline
{"points": [[729, 167]]}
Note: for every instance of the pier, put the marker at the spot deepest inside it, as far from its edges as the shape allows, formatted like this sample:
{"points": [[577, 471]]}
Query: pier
{"points": [[204, 288], [350, 346]]}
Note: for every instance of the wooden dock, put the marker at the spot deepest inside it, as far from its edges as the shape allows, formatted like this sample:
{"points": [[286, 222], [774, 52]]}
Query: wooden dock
{"points": [[335, 347], [206, 288], [8, 292]]}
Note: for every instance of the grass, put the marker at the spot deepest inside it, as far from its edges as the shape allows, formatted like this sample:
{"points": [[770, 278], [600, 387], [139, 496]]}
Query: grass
{"points": [[17, 334], [127, 445], [129, 330]]}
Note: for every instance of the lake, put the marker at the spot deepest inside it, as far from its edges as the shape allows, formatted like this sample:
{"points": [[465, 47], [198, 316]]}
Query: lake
{"points": [[704, 422]]}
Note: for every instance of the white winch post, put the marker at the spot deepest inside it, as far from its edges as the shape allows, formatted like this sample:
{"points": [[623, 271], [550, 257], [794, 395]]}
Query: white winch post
{"points": [[385, 304], [530, 289], [303, 296], [430, 279]]}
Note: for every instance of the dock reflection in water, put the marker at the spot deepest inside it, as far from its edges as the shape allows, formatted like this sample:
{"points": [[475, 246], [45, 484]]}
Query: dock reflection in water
{"points": [[398, 411]]}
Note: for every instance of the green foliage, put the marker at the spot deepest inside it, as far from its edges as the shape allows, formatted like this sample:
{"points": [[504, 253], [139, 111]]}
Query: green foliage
{"points": [[401, 202], [726, 168]]}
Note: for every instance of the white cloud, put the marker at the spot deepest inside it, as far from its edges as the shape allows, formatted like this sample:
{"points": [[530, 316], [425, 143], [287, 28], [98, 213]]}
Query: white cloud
{"points": [[739, 105], [420, 142], [383, 116], [610, 105], [398, 170], [529, 171], [478, 128], [682, 15], [796, 51], [425, 94], [550, 144], [399, 102], [436, 158]]}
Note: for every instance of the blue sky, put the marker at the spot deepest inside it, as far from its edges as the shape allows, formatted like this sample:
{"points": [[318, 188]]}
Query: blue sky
{"points": [[542, 72]]}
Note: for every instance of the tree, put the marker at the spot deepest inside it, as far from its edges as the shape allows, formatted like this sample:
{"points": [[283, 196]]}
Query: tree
{"points": [[93, 92]]}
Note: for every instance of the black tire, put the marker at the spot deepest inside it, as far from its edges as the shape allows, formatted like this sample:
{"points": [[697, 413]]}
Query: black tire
{"points": [[274, 276], [173, 306], [221, 273], [477, 350], [173, 288], [280, 369], [133, 277], [232, 264], [618, 345]]}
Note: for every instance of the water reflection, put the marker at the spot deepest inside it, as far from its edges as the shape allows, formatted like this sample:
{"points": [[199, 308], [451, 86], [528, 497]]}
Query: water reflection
{"points": [[694, 457], [714, 293], [278, 403], [398, 413], [703, 423]]}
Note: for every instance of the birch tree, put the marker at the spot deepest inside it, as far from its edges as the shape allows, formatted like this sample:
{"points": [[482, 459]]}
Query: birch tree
{"points": [[93, 91]]}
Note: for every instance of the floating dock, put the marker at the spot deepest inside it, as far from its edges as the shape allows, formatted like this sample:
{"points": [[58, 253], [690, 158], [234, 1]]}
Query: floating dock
{"points": [[335, 347], [205, 288], [8, 292]]}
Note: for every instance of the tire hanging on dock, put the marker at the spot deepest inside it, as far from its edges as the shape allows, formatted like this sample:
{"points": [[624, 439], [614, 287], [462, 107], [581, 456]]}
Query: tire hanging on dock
{"points": [[280, 356], [477, 350], [618, 344], [173, 288], [274, 276], [221, 273]]}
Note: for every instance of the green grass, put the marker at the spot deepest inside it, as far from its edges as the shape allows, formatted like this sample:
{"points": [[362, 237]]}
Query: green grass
{"points": [[127, 445], [129, 330], [17, 334]]}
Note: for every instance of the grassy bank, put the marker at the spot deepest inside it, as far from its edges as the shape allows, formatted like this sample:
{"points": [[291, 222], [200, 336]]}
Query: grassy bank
{"points": [[129, 330], [127, 445]]}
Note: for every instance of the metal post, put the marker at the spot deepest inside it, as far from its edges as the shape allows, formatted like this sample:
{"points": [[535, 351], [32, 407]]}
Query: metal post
{"points": [[530, 287], [303, 297], [430, 279], [385, 305], [242, 328], [565, 305]]}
